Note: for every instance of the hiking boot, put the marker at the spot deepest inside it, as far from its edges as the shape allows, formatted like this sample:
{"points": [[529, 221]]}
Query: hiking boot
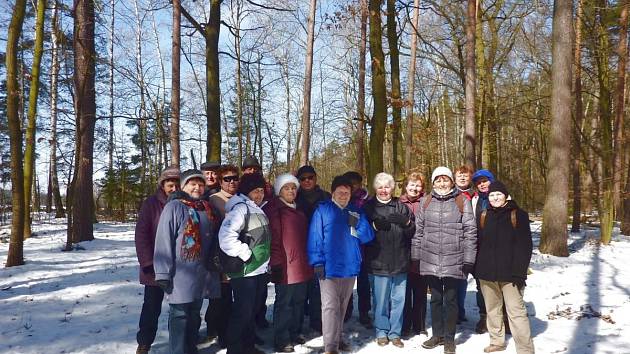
{"points": [[449, 347], [345, 346], [398, 343], [494, 348], [382, 341], [407, 333], [300, 339], [481, 326], [433, 342], [288, 348], [143, 349]]}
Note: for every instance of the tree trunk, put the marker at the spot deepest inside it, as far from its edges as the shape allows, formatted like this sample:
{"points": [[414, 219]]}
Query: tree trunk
{"points": [[620, 94], [308, 78], [85, 108], [213, 89], [29, 150], [481, 87], [579, 117], [555, 214], [15, 255], [392, 40], [411, 81], [175, 82], [361, 118], [379, 92], [470, 129], [54, 73], [110, 143], [625, 222]]}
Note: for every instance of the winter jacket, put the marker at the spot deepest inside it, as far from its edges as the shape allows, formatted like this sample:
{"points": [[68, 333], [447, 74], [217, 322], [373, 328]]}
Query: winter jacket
{"points": [[332, 243], [148, 219], [469, 193], [307, 201], [445, 238], [289, 232], [187, 276], [504, 251], [218, 201], [360, 197], [480, 203], [256, 251], [389, 252]]}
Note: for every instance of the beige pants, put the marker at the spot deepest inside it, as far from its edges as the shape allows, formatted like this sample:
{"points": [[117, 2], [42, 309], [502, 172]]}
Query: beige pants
{"points": [[335, 296], [494, 294]]}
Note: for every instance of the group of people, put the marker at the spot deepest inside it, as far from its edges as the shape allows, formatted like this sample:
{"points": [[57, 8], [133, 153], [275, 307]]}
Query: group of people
{"points": [[221, 235]]}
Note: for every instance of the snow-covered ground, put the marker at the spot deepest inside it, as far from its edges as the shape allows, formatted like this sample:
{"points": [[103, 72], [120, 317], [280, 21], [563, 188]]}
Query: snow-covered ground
{"points": [[89, 301]]}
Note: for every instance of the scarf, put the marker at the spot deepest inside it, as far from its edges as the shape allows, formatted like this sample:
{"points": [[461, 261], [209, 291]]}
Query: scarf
{"points": [[191, 242]]}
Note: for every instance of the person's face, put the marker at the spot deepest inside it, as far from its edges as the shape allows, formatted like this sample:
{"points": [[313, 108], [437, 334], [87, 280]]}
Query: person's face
{"points": [[462, 179], [413, 188], [308, 181], [341, 195], [229, 182], [482, 184], [442, 185], [257, 195], [250, 170], [383, 192], [288, 192], [194, 187], [169, 186], [211, 178], [497, 199], [356, 185]]}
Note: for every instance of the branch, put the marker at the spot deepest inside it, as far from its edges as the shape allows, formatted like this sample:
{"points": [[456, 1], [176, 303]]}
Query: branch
{"points": [[268, 7]]}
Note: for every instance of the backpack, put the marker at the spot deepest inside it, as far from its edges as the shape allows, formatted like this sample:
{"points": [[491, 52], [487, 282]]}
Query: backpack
{"points": [[482, 219], [459, 200]]}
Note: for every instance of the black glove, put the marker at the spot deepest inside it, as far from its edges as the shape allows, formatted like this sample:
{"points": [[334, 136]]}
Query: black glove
{"points": [[148, 270], [165, 285], [353, 220], [276, 274], [382, 225], [398, 218], [468, 268], [518, 282], [320, 272]]}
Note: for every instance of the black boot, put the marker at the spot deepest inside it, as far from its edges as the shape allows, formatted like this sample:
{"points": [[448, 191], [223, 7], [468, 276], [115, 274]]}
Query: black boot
{"points": [[481, 326]]}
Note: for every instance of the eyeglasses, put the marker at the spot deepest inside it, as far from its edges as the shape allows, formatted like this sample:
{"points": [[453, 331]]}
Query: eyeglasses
{"points": [[304, 178], [228, 179]]}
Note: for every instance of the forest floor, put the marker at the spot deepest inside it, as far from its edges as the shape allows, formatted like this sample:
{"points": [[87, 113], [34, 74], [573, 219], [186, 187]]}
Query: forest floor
{"points": [[88, 301]]}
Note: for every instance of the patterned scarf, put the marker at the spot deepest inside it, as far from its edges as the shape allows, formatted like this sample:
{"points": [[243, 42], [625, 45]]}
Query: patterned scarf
{"points": [[191, 242]]}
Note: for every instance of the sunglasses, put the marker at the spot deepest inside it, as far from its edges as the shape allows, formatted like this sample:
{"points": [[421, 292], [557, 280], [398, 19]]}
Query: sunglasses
{"points": [[228, 179], [304, 178]]}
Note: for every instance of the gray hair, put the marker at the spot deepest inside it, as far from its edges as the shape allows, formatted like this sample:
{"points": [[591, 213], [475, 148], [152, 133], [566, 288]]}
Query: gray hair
{"points": [[383, 179]]}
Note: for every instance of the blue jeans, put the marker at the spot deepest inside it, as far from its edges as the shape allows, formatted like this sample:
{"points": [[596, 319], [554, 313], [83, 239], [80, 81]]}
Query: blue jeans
{"points": [[462, 286], [151, 309], [388, 294], [241, 330], [288, 312], [183, 327]]}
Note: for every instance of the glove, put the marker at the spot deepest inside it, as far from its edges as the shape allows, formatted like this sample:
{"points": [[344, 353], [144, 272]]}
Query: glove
{"points": [[382, 225], [398, 218], [353, 220], [148, 270], [518, 282], [320, 272], [468, 268], [166, 285], [276, 274]]}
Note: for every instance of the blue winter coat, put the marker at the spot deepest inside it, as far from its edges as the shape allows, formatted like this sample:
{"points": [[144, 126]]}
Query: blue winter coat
{"points": [[331, 243]]}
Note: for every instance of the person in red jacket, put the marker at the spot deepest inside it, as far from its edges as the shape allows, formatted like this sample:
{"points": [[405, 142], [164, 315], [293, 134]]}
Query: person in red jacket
{"points": [[290, 270], [146, 227]]}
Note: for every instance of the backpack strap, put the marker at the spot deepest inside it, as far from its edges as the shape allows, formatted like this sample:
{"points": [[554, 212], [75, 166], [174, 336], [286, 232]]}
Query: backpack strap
{"points": [[459, 200], [513, 218], [482, 219], [427, 202]]}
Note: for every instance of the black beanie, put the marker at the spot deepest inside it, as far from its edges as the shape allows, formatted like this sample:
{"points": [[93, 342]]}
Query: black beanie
{"points": [[251, 181], [340, 181], [497, 186]]}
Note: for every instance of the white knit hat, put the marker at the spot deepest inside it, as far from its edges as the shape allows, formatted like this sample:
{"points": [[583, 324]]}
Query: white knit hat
{"points": [[284, 179], [441, 171]]}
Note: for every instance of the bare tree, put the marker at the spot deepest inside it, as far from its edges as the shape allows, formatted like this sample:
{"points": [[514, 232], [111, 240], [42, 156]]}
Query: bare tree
{"points": [[175, 82], [620, 94], [54, 73], [379, 91], [554, 230], [579, 117], [308, 78], [471, 85], [361, 117], [394, 63]]}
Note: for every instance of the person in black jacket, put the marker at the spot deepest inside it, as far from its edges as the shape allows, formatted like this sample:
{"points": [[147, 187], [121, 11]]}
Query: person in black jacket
{"points": [[505, 249], [387, 258]]}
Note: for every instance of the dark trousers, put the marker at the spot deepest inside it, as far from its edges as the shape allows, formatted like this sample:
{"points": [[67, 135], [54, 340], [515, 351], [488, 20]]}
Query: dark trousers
{"points": [[288, 312], [443, 306], [314, 304], [183, 327], [481, 304], [151, 309], [415, 312], [363, 293], [261, 311], [462, 287], [218, 313], [241, 330]]}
